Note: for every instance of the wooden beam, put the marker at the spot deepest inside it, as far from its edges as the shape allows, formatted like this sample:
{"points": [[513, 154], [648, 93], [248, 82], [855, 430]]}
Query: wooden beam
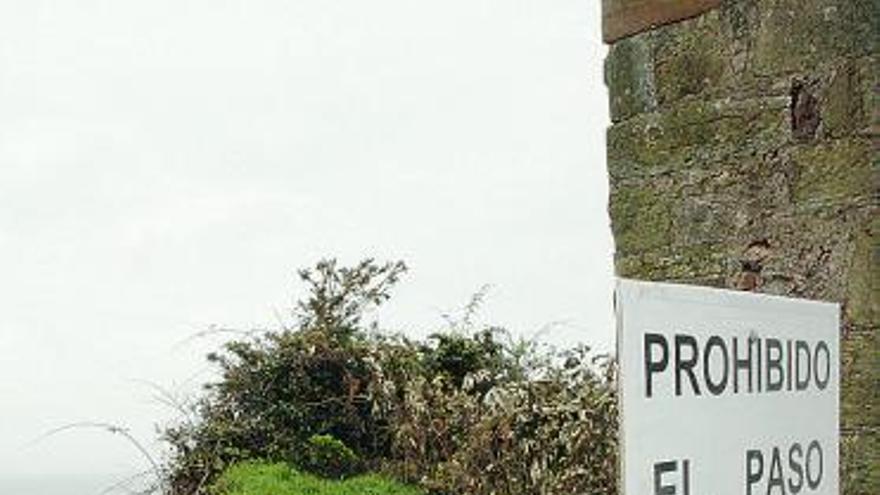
{"points": [[621, 18]]}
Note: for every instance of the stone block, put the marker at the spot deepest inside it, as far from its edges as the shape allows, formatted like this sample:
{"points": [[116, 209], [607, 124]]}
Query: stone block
{"points": [[860, 466], [642, 217], [629, 77], [862, 300], [704, 265], [622, 18], [835, 171], [860, 354], [691, 58], [694, 133], [794, 35], [842, 102]]}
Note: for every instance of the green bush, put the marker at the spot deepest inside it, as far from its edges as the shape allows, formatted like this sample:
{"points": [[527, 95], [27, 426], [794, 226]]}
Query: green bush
{"points": [[457, 355], [327, 457], [468, 412], [552, 434], [278, 389]]}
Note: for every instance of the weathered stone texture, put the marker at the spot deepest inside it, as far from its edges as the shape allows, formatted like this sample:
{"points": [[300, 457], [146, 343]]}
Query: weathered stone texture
{"points": [[743, 154], [625, 17]]}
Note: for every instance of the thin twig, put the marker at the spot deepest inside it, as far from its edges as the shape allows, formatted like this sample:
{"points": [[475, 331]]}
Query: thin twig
{"points": [[165, 397], [123, 482], [110, 428], [214, 330]]}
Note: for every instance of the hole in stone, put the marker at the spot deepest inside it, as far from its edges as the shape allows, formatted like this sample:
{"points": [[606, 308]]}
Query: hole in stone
{"points": [[804, 111], [754, 255]]}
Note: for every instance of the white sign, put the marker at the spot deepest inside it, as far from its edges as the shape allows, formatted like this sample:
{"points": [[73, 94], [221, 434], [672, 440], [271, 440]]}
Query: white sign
{"points": [[727, 393]]}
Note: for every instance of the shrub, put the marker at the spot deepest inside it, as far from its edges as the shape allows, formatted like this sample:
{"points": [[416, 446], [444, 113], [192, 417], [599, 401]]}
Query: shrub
{"points": [[327, 457], [468, 412], [278, 389], [457, 355], [554, 434]]}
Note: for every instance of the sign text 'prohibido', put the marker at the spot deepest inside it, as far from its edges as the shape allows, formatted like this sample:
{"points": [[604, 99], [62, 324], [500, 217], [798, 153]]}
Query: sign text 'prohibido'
{"points": [[727, 393]]}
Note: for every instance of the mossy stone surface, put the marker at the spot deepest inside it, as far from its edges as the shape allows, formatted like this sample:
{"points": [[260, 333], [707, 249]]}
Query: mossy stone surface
{"points": [[744, 155]]}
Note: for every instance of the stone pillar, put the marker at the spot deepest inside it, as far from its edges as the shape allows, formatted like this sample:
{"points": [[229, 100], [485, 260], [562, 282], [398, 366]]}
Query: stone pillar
{"points": [[743, 153]]}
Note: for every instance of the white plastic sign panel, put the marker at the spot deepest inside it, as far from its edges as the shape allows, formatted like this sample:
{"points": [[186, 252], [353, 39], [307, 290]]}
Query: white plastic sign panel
{"points": [[727, 393]]}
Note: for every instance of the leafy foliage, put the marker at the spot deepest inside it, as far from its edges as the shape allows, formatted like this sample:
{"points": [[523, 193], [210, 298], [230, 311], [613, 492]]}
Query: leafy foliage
{"points": [[552, 434], [469, 411], [455, 356], [330, 458], [279, 389], [339, 296]]}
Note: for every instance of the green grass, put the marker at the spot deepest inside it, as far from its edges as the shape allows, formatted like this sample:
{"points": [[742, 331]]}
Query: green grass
{"points": [[256, 478]]}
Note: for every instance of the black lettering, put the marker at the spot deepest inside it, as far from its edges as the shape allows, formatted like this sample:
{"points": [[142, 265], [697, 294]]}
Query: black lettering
{"points": [[686, 477], [651, 365], [686, 365], [758, 357], [774, 364], [660, 469], [753, 473], [822, 348], [812, 482], [716, 388], [788, 360], [802, 380], [775, 478], [741, 364], [794, 463]]}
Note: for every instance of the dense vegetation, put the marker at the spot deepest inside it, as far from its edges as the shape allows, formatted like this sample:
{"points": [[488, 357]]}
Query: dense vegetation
{"points": [[468, 411]]}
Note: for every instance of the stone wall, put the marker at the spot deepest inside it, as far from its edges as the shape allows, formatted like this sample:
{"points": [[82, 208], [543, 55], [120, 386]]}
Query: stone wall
{"points": [[743, 154]]}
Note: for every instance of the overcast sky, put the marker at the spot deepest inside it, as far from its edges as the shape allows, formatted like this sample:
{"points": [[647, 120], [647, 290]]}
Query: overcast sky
{"points": [[166, 165]]}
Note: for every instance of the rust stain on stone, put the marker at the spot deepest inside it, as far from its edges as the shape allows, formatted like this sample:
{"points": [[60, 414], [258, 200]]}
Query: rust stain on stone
{"points": [[621, 18], [752, 264]]}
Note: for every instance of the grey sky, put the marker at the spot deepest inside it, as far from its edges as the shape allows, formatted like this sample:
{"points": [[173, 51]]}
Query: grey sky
{"points": [[168, 164]]}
